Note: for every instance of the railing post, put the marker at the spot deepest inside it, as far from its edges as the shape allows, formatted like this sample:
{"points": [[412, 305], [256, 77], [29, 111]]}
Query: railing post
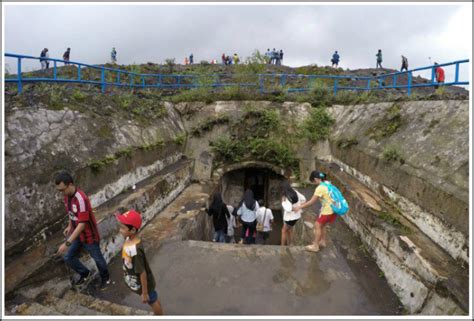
{"points": [[102, 79], [380, 82], [178, 81], [118, 77], [456, 75], [368, 84], [79, 72], [335, 87], [433, 72], [409, 84], [394, 80], [54, 71], [143, 81], [131, 81], [283, 80], [20, 84], [161, 80], [260, 80]]}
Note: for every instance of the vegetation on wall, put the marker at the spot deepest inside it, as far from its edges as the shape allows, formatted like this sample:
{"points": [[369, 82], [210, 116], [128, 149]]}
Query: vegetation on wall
{"points": [[388, 125]]}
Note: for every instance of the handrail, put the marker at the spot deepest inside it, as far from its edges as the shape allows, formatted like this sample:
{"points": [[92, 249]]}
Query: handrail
{"points": [[218, 80]]}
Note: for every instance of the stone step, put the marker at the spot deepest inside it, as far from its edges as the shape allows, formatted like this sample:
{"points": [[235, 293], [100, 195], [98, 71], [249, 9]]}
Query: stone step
{"points": [[414, 254], [67, 307], [36, 309], [39, 263], [102, 306]]}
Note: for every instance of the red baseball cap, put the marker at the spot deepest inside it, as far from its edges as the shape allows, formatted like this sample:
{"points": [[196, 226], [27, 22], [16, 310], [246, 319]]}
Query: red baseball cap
{"points": [[130, 217]]}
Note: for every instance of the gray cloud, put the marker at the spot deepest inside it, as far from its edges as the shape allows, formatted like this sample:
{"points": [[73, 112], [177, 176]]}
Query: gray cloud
{"points": [[307, 34]]}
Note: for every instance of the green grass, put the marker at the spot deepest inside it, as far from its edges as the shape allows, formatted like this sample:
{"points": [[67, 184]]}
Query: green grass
{"points": [[388, 125], [180, 139]]}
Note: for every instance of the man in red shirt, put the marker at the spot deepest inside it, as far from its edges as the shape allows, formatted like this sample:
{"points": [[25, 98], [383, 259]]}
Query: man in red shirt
{"points": [[81, 231], [439, 74]]}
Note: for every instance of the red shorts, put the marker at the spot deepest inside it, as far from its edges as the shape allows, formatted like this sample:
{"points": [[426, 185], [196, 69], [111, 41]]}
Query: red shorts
{"points": [[323, 219]]}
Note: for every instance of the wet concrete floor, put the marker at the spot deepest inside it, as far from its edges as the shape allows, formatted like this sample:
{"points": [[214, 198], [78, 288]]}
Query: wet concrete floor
{"points": [[204, 278]]}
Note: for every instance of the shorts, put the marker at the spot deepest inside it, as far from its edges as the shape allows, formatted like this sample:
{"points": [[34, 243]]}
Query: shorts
{"points": [[265, 235], [323, 219], [153, 295], [291, 223]]}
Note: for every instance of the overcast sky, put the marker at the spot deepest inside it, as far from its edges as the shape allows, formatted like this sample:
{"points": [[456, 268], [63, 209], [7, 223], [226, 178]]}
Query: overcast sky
{"points": [[307, 34]]}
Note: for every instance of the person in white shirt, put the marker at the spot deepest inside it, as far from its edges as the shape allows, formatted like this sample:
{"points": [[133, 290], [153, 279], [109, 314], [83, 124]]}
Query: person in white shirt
{"points": [[231, 225], [247, 212], [290, 198], [265, 219]]}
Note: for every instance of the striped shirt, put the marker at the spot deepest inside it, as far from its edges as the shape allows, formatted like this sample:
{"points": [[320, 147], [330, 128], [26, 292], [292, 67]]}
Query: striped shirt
{"points": [[79, 210]]}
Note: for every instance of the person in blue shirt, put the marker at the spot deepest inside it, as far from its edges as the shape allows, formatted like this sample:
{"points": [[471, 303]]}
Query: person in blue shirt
{"points": [[335, 59]]}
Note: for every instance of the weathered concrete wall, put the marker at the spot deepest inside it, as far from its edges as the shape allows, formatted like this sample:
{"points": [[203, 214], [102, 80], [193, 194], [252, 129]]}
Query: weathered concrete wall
{"points": [[418, 271], [430, 184], [39, 142], [198, 148]]}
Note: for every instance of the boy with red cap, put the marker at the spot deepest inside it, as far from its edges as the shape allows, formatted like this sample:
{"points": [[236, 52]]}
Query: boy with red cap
{"points": [[137, 272]]}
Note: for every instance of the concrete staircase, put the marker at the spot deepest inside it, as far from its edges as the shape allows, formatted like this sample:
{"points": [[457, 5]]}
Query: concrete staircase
{"points": [[69, 302], [39, 264]]}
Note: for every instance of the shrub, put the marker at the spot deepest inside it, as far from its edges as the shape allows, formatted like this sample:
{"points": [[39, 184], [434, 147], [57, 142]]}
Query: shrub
{"points": [[317, 126], [391, 154]]}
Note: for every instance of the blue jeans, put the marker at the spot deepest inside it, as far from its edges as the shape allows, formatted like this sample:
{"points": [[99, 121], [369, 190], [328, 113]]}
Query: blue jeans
{"points": [[219, 236], [72, 258]]}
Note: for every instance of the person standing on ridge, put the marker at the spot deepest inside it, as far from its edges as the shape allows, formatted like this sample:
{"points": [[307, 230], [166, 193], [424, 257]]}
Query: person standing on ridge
{"points": [[113, 55], [281, 56], [191, 59], [335, 59], [404, 63], [439, 72], [66, 55], [379, 59], [43, 60]]}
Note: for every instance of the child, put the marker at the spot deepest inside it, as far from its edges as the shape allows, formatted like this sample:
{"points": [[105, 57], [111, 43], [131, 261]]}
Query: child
{"points": [[326, 214], [137, 272]]}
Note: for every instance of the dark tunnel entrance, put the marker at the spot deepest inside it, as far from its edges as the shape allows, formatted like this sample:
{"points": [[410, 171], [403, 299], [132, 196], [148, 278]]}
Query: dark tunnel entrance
{"points": [[265, 185]]}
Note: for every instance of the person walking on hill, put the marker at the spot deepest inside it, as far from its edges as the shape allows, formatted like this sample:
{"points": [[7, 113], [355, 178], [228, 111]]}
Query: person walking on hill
{"points": [[439, 72], [113, 55], [281, 56], [66, 56], [236, 59], [335, 60], [268, 56], [379, 59], [404, 63], [44, 62]]}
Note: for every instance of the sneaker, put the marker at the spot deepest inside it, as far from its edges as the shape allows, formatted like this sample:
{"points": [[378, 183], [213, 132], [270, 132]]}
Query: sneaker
{"points": [[104, 284], [312, 248], [82, 280]]}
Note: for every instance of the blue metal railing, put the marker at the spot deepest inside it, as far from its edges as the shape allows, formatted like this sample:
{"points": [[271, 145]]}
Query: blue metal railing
{"points": [[260, 81]]}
